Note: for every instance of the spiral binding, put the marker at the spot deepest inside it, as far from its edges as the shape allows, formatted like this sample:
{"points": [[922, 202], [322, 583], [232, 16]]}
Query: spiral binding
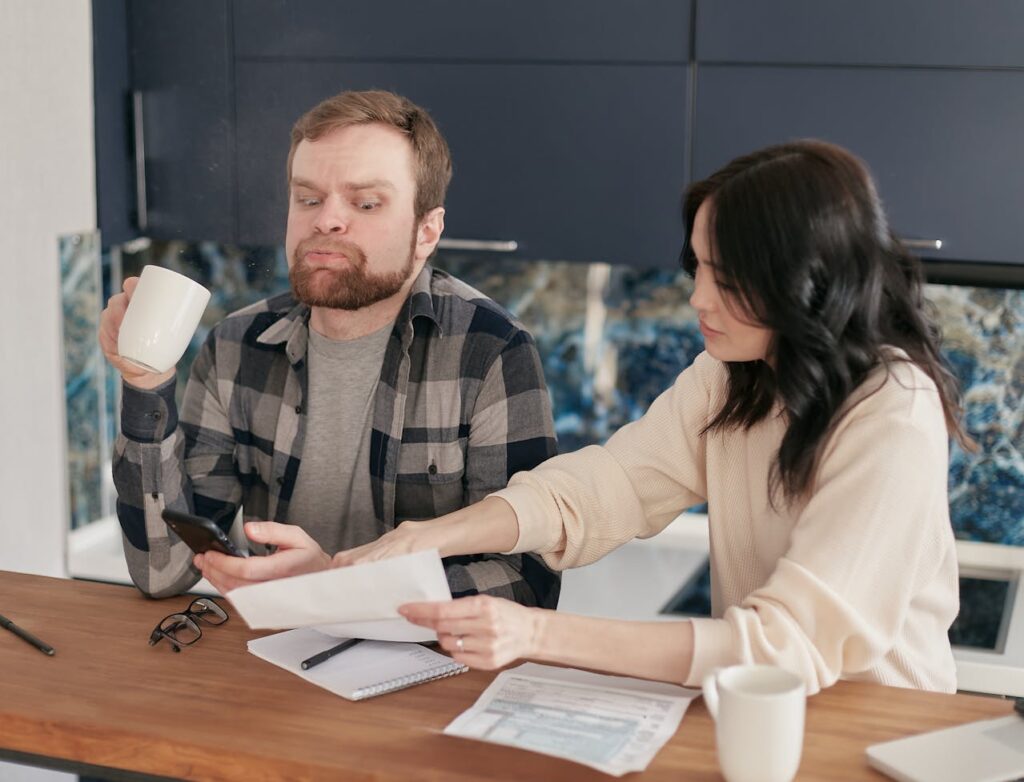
{"points": [[401, 682]]}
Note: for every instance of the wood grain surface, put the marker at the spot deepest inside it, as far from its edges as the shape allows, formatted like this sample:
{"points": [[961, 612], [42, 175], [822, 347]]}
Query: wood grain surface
{"points": [[216, 712]]}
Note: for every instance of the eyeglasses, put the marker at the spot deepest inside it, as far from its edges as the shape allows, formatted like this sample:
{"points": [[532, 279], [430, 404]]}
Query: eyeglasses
{"points": [[183, 629]]}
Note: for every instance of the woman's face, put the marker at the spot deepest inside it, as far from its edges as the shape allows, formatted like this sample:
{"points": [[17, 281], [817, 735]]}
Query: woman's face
{"points": [[729, 335]]}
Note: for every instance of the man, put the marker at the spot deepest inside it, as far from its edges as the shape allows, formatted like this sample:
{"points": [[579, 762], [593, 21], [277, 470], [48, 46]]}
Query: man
{"points": [[379, 390]]}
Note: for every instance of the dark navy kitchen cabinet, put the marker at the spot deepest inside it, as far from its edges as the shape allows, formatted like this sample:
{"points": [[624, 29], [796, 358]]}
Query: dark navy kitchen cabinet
{"points": [[938, 33], [182, 104], [567, 121], [580, 162], [930, 93], [943, 144], [576, 124], [465, 30], [115, 174]]}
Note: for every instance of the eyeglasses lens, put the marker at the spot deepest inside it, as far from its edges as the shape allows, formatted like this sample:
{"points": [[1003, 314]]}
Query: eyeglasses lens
{"points": [[181, 628], [207, 611]]}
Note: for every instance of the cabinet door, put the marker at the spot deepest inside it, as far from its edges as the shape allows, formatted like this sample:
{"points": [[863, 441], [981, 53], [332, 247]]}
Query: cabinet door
{"points": [[507, 30], [868, 32], [573, 162], [944, 145], [115, 175], [181, 59]]}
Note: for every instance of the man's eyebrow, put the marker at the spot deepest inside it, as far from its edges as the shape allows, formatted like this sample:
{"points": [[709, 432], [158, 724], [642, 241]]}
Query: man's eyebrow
{"points": [[370, 184], [299, 182]]}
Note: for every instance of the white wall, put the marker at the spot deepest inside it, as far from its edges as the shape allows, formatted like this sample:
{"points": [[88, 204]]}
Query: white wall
{"points": [[47, 188]]}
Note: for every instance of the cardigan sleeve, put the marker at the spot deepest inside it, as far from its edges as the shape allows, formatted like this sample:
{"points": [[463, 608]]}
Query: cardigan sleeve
{"points": [[578, 507]]}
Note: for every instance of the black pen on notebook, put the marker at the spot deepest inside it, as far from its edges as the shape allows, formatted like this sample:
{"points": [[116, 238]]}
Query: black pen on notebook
{"points": [[327, 654], [25, 635]]}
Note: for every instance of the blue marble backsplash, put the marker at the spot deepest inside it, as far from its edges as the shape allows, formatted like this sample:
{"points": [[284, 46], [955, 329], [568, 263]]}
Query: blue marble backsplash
{"points": [[611, 338], [87, 380]]}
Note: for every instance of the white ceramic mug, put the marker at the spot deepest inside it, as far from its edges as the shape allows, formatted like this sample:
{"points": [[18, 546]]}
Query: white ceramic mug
{"points": [[759, 721], [161, 318]]}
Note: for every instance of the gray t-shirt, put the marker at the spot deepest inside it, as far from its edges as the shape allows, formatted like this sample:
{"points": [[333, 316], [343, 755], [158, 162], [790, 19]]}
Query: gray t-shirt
{"points": [[332, 499]]}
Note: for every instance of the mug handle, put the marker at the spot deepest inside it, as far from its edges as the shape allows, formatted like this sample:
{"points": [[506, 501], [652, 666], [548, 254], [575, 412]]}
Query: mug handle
{"points": [[710, 689]]}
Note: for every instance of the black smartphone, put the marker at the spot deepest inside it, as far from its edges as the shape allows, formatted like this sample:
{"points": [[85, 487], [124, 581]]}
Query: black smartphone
{"points": [[200, 535]]}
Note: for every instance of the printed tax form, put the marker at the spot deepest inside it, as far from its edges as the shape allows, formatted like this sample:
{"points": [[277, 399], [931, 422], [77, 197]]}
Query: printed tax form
{"points": [[612, 723]]}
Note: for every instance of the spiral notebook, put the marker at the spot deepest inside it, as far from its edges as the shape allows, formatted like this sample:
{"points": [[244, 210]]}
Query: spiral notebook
{"points": [[367, 669]]}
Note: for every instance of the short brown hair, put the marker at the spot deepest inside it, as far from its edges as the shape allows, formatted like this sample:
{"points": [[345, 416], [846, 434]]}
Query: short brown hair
{"points": [[432, 161]]}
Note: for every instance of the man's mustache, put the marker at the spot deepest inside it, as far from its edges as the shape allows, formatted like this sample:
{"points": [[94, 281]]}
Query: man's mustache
{"points": [[339, 246]]}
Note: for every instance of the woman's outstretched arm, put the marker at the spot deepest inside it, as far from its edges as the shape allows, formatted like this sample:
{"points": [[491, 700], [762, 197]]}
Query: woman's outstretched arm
{"points": [[484, 527], [487, 632]]}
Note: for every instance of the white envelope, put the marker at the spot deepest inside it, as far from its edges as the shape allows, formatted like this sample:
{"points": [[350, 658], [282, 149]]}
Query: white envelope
{"points": [[360, 601]]}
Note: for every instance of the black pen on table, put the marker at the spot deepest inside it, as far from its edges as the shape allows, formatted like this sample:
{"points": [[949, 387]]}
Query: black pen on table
{"points": [[327, 654], [25, 635]]}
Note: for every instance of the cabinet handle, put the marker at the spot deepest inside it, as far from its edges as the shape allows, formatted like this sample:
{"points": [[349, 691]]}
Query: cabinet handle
{"points": [[139, 135], [492, 245], [922, 244]]}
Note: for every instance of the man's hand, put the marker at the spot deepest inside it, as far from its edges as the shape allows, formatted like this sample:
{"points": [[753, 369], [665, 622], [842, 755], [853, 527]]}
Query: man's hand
{"points": [[296, 553], [110, 327], [481, 631]]}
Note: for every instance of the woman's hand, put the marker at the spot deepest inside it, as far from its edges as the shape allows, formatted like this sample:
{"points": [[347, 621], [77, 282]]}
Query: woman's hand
{"points": [[486, 527], [481, 631], [407, 538], [296, 553]]}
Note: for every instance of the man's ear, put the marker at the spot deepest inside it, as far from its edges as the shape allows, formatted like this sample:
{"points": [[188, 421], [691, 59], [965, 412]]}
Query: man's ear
{"points": [[428, 234]]}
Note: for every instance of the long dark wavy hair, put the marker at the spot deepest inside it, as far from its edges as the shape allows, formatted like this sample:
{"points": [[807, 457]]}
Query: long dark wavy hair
{"points": [[797, 232]]}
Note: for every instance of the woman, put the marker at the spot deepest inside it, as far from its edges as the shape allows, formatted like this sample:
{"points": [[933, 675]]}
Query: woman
{"points": [[815, 426]]}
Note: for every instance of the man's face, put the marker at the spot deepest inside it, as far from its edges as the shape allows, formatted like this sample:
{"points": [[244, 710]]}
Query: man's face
{"points": [[352, 237]]}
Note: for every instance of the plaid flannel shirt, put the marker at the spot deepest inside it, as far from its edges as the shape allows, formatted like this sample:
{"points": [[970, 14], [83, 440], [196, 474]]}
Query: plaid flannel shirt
{"points": [[461, 405]]}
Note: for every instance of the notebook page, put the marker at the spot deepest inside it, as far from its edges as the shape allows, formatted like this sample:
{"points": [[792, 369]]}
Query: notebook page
{"points": [[368, 668]]}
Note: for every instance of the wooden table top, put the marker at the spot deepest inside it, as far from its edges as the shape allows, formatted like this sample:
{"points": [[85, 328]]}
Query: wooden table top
{"points": [[216, 712]]}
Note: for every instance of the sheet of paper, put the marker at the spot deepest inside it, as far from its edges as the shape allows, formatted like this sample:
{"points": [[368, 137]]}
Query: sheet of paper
{"points": [[612, 723], [352, 602]]}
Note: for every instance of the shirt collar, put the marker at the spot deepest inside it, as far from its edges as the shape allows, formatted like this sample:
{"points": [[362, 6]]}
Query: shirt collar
{"points": [[421, 301], [292, 330]]}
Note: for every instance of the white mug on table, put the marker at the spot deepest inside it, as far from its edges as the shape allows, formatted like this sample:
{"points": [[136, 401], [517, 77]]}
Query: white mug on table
{"points": [[162, 316], [759, 721]]}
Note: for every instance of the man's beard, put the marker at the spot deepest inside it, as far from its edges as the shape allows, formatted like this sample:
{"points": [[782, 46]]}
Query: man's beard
{"points": [[350, 288]]}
